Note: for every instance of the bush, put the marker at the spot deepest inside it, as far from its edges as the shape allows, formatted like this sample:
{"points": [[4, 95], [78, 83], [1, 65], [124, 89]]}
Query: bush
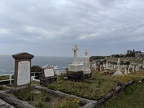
{"points": [[36, 68]]}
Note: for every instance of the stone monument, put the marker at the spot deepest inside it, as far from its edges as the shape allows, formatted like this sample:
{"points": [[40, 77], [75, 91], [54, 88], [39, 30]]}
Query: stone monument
{"points": [[75, 70], [118, 72], [22, 73], [86, 66], [75, 66]]}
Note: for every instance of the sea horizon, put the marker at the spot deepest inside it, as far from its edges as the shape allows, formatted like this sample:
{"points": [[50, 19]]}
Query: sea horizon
{"points": [[59, 63]]}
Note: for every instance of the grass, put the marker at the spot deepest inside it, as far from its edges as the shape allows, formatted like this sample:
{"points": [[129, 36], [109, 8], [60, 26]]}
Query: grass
{"points": [[2, 88], [132, 97], [96, 87], [35, 82], [45, 100]]}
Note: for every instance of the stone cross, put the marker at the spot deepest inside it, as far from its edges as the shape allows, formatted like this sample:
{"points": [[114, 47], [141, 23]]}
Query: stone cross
{"points": [[75, 49]]}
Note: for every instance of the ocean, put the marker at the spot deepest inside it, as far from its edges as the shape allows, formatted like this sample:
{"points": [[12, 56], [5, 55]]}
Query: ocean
{"points": [[59, 63]]}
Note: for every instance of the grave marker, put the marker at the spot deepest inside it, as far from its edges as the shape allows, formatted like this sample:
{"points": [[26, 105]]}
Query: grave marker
{"points": [[75, 70], [47, 76], [22, 73], [118, 72], [86, 66]]}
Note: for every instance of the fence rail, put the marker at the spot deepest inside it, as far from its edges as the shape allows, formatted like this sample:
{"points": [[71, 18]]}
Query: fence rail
{"points": [[10, 77]]}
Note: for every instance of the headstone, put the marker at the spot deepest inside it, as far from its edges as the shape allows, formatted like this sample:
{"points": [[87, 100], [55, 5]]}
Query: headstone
{"points": [[47, 76], [107, 66], [93, 66], [126, 70], [133, 68], [86, 65], [22, 73], [49, 71], [75, 70], [137, 68], [130, 68], [104, 65], [118, 72]]}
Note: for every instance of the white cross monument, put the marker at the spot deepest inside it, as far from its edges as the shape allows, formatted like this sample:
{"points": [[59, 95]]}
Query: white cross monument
{"points": [[75, 49], [75, 66]]}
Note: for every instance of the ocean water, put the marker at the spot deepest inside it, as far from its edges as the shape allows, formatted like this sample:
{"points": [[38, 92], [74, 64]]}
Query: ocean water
{"points": [[59, 63]]}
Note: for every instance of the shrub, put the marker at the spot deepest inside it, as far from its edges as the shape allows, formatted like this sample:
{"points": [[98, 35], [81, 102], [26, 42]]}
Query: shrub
{"points": [[36, 68]]}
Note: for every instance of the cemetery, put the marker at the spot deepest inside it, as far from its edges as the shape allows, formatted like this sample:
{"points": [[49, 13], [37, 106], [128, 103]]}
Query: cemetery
{"points": [[87, 85]]}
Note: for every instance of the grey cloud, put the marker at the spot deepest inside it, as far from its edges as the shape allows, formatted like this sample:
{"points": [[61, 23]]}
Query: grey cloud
{"points": [[58, 24]]}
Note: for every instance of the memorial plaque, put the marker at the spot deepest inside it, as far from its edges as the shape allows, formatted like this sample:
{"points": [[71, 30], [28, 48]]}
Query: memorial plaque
{"points": [[49, 72], [23, 73]]}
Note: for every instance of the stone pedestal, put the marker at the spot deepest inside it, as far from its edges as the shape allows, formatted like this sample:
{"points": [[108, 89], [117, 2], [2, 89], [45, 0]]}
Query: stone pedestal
{"points": [[75, 71], [118, 72], [75, 67], [75, 75]]}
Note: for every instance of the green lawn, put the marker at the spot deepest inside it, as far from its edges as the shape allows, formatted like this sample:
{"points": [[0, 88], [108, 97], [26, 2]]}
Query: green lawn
{"points": [[128, 99]]}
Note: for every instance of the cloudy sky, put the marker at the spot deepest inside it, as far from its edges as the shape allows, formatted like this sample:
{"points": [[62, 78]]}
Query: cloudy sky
{"points": [[52, 27]]}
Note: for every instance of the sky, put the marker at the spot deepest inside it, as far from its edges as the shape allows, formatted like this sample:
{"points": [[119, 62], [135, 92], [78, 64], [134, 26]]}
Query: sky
{"points": [[53, 27]]}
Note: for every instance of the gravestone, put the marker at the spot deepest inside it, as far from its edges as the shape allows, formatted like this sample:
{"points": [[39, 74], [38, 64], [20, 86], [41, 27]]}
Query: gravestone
{"points": [[130, 68], [137, 68], [133, 68], [22, 73], [126, 70], [118, 72], [86, 66], [47, 76], [93, 66], [75, 70]]}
